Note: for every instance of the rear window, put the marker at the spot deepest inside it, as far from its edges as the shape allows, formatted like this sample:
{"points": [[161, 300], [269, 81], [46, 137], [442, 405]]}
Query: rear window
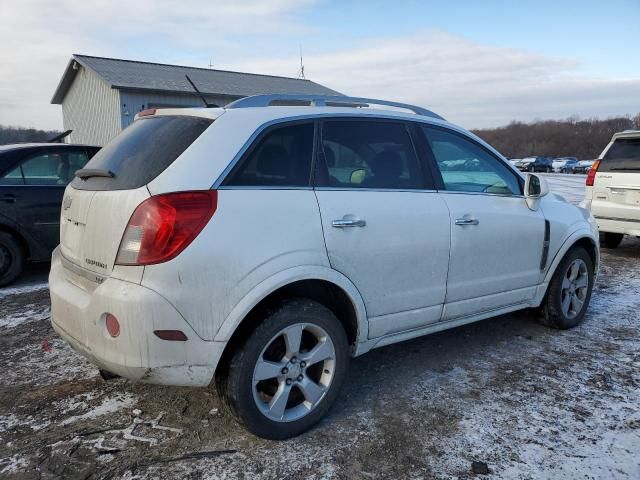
{"points": [[142, 151], [623, 155]]}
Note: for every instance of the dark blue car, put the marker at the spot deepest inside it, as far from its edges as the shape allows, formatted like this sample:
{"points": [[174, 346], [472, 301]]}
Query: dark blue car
{"points": [[32, 182]]}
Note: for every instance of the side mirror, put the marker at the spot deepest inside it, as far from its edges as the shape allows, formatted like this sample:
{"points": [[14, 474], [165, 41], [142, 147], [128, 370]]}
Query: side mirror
{"points": [[535, 187]]}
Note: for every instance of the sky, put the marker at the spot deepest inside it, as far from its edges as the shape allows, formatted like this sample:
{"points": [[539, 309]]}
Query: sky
{"points": [[477, 63]]}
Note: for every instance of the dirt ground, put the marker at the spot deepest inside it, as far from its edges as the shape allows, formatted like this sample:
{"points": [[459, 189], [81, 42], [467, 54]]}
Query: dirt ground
{"points": [[530, 402]]}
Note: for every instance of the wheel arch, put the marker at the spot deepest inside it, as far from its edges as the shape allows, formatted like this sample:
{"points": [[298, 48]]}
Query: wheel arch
{"points": [[580, 238], [323, 285]]}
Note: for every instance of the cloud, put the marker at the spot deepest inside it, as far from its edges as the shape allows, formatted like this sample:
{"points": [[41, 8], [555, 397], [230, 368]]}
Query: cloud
{"points": [[39, 36], [472, 84], [468, 83]]}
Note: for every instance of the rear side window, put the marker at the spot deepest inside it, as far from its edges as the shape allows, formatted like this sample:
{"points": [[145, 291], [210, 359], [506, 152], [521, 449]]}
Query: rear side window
{"points": [[623, 155], [280, 158], [143, 151], [369, 154]]}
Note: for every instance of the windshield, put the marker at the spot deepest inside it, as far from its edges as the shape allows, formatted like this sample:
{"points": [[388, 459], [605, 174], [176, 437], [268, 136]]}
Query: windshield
{"points": [[142, 151]]}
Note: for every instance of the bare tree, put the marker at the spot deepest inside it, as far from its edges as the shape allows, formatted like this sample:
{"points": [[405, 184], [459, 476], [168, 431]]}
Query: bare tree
{"points": [[573, 137]]}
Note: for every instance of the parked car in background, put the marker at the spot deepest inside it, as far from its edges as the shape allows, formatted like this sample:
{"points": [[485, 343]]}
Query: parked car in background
{"points": [[32, 182], [535, 164], [583, 166], [317, 232], [564, 164], [613, 189]]}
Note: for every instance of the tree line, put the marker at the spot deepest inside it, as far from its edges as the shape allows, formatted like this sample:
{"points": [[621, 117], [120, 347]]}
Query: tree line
{"points": [[25, 135], [584, 139]]}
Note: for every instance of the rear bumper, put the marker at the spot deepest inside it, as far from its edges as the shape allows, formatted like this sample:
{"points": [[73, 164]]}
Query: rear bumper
{"points": [[77, 315], [618, 225]]}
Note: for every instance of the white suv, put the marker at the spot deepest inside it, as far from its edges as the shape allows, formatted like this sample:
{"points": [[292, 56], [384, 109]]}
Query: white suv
{"points": [[613, 188], [260, 246]]}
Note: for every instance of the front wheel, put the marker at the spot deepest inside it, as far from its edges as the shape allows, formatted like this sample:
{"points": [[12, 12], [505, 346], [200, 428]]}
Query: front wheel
{"points": [[288, 373], [611, 240], [569, 291]]}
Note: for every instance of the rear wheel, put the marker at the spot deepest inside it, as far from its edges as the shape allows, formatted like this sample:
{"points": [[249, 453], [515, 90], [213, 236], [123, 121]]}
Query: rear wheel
{"points": [[11, 259], [569, 291], [288, 373], [611, 240]]}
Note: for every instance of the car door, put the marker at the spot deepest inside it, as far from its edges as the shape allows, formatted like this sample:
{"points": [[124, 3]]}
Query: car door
{"points": [[46, 173], [385, 228], [496, 240], [10, 182]]}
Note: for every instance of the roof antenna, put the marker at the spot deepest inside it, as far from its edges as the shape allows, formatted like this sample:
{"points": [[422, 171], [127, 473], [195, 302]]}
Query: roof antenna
{"points": [[204, 100], [301, 72]]}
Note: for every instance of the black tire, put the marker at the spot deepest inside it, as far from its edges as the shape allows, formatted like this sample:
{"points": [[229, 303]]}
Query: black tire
{"points": [[548, 169], [551, 311], [11, 259], [532, 168], [235, 382], [610, 240]]}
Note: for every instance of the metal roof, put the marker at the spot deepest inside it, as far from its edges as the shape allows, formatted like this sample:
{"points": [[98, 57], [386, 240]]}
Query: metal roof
{"points": [[158, 77]]}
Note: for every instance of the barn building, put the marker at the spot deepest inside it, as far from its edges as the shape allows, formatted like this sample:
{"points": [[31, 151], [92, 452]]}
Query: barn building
{"points": [[101, 96]]}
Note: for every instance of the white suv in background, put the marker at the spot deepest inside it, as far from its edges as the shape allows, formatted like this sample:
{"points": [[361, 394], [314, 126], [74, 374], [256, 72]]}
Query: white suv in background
{"points": [[258, 247], [613, 189]]}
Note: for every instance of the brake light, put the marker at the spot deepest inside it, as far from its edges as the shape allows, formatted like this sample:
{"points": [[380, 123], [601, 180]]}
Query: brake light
{"points": [[148, 112], [161, 227], [591, 176]]}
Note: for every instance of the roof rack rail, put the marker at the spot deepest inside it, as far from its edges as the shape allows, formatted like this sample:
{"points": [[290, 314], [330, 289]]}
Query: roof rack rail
{"points": [[324, 101]]}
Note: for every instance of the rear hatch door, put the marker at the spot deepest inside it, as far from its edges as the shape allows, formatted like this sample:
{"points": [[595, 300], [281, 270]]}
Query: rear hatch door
{"points": [[616, 193], [98, 204]]}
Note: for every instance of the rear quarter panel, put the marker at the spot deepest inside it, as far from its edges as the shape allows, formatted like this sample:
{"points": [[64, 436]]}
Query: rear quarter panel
{"points": [[253, 235]]}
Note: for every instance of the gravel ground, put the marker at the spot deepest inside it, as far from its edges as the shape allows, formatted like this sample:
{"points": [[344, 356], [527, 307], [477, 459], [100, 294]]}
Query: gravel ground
{"points": [[528, 402]]}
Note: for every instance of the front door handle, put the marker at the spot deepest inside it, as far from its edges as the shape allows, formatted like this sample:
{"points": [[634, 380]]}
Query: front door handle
{"points": [[467, 221], [9, 198], [347, 222]]}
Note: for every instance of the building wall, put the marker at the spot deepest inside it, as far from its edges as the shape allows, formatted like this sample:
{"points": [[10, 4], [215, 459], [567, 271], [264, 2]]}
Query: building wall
{"points": [[90, 109], [132, 103]]}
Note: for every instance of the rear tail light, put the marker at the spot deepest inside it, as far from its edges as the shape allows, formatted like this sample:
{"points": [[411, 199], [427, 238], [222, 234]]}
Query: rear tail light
{"points": [[591, 176], [161, 227]]}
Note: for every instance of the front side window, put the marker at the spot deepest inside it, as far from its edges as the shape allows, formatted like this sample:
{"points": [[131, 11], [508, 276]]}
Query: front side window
{"points": [[281, 158], [467, 167], [13, 177], [369, 154]]}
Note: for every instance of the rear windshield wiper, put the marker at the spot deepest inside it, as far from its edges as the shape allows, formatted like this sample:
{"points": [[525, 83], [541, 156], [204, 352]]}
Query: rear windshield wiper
{"points": [[85, 173]]}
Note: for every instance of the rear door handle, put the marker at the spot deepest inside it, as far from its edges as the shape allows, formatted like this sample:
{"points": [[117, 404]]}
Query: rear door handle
{"points": [[346, 223], [9, 198], [467, 221]]}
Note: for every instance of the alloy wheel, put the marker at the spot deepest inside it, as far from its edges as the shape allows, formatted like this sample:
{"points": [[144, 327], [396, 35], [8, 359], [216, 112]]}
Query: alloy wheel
{"points": [[575, 286], [294, 372]]}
